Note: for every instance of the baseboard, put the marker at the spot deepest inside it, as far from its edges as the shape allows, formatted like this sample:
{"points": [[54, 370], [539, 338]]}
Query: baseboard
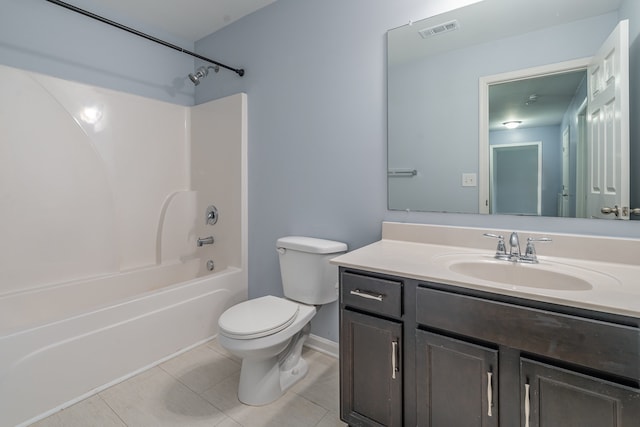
{"points": [[322, 345]]}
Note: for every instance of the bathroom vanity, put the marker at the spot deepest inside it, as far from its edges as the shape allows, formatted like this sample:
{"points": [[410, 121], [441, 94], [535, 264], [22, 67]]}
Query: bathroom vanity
{"points": [[426, 341]]}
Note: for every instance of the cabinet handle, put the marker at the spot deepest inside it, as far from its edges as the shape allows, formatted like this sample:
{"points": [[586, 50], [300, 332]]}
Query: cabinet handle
{"points": [[489, 393], [367, 294], [527, 406], [394, 359]]}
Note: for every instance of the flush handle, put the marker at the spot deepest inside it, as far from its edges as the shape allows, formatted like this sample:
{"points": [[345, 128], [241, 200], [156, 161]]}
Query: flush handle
{"points": [[367, 294]]}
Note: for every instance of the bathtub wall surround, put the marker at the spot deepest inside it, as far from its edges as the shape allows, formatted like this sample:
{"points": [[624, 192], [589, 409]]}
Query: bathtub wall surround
{"points": [[104, 196]]}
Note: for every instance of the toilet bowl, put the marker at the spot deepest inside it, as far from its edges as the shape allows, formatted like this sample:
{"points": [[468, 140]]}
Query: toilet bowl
{"points": [[268, 333], [264, 376]]}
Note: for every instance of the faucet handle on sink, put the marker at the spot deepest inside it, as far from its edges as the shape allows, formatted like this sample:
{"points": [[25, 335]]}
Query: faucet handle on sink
{"points": [[501, 250], [530, 251]]}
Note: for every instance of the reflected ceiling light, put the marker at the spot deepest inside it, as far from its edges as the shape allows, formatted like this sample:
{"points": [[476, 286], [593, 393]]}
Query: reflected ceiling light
{"points": [[512, 124]]}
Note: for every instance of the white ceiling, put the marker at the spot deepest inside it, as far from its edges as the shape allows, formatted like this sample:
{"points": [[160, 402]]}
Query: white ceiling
{"points": [[552, 96], [190, 20]]}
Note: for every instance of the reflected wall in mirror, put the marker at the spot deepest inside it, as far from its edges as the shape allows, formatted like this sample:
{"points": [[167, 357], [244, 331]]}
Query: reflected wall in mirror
{"points": [[433, 94]]}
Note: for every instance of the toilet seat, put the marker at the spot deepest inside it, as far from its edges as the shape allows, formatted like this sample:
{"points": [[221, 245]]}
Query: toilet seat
{"points": [[258, 317]]}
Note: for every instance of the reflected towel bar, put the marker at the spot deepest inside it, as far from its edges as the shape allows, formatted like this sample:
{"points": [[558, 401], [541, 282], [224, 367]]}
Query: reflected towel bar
{"points": [[407, 173]]}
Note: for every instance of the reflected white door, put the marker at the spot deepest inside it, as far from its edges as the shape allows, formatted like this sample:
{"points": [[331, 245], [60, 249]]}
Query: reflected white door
{"points": [[608, 126]]}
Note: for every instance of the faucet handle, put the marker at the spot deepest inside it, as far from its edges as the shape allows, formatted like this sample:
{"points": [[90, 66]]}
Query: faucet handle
{"points": [[530, 251], [501, 250]]}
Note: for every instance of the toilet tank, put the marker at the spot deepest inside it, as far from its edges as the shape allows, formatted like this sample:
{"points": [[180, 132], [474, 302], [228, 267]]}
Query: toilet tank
{"points": [[307, 276]]}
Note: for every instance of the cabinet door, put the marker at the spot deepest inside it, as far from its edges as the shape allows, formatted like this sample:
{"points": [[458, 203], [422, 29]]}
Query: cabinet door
{"points": [[457, 382], [555, 397], [370, 371]]}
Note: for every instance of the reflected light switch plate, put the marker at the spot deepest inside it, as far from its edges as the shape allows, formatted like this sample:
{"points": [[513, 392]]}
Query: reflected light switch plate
{"points": [[469, 180]]}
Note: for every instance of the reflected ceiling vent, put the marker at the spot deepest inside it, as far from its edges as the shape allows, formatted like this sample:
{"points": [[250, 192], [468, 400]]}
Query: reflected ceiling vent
{"points": [[439, 29]]}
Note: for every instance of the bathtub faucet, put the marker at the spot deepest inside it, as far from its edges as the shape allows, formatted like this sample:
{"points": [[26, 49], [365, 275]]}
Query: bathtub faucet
{"points": [[205, 241]]}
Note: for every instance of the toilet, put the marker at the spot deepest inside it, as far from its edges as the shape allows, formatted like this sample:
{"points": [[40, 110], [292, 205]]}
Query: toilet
{"points": [[267, 333]]}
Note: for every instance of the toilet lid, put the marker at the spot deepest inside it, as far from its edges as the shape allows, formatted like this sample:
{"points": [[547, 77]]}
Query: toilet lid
{"points": [[258, 317]]}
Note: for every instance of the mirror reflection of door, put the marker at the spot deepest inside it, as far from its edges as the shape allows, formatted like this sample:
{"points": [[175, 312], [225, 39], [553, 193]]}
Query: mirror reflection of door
{"points": [[582, 153], [596, 106], [608, 130], [564, 195], [544, 102], [516, 178]]}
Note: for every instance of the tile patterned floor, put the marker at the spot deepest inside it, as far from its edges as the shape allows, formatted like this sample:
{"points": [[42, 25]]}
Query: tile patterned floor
{"points": [[198, 388]]}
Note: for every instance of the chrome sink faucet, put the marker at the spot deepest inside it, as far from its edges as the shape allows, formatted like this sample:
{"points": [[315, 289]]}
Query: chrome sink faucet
{"points": [[514, 254], [514, 247]]}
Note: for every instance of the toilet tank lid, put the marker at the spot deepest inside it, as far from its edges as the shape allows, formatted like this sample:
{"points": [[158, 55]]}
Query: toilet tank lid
{"points": [[311, 245]]}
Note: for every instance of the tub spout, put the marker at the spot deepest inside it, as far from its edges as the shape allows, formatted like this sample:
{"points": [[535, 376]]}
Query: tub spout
{"points": [[205, 241]]}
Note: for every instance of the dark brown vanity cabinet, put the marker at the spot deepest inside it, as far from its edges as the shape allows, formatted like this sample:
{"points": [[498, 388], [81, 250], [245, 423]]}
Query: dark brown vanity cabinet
{"points": [[371, 369], [456, 382], [564, 368], [433, 355], [557, 397]]}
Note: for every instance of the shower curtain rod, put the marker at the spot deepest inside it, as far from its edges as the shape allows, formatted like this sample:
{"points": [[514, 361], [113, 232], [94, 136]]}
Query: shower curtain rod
{"points": [[239, 71]]}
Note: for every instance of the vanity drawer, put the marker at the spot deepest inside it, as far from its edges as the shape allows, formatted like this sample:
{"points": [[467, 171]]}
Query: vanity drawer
{"points": [[373, 294], [607, 347]]}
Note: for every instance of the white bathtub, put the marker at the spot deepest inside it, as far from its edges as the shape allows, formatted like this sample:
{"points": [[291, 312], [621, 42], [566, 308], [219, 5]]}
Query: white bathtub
{"points": [[60, 344]]}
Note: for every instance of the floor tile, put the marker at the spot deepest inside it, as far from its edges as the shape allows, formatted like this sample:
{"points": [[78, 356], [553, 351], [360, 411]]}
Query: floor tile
{"points": [[199, 388], [332, 419], [201, 368], [89, 412], [291, 410], [321, 385], [154, 398]]}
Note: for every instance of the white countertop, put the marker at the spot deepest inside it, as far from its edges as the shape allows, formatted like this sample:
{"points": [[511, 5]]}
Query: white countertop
{"points": [[615, 285]]}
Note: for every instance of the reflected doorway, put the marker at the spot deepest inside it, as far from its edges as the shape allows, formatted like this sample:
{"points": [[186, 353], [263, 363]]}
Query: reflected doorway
{"points": [[516, 178]]}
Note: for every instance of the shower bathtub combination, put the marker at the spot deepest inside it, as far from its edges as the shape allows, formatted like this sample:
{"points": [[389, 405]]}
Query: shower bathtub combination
{"points": [[76, 351], [112, 281]]}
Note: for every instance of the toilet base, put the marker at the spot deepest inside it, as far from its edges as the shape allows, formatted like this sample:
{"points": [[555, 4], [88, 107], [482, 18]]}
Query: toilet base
{"points": [[273, 382], [263, 381]]}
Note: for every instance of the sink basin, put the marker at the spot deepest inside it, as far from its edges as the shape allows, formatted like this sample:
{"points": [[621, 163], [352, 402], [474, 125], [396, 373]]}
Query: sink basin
{"points": [[545, 275]]}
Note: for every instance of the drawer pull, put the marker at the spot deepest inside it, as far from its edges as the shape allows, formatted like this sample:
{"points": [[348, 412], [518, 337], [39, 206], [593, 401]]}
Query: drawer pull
{"points": [[489, 394], [527, 405], [367, 294], [394, 359]]}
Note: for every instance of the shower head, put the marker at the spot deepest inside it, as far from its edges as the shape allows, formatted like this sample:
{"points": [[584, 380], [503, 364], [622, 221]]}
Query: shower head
{"points": [[201, 73]]}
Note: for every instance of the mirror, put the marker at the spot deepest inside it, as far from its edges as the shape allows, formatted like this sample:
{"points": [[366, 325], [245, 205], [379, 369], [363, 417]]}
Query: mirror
{"points": [[434, 71]]}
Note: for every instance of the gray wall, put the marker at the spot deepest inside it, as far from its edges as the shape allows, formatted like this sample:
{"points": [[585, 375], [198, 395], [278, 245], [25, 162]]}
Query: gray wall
{"points": [[39, 36], [317, 110], [316, 85]]}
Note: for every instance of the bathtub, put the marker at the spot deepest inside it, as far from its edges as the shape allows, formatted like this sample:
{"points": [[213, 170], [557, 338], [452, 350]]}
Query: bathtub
{"points": [[60, 344]]}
